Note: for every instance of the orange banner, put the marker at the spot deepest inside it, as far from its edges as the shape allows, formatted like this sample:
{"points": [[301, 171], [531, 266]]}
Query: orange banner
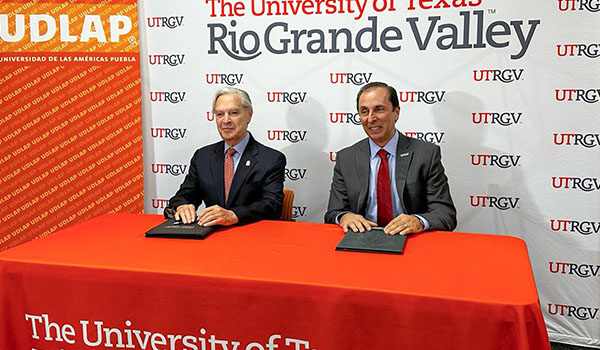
{"points": [[70, 115]]}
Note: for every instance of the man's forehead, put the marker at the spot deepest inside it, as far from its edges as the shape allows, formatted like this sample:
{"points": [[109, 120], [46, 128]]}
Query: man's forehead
{"points": [[230, 99], [379, 92]]}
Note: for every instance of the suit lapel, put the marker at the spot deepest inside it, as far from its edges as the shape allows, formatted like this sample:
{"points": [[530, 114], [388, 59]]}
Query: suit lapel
{"points": [[247, 163], [403, 157], [362, 167], [216, 168]]}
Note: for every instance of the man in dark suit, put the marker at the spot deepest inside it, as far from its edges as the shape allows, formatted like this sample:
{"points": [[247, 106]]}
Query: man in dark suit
{"points": [[238, 179], [362, 195]]}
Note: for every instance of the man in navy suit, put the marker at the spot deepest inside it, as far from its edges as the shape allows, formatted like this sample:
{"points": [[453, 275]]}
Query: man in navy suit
{"points": [[238, 179], [416, 199]]}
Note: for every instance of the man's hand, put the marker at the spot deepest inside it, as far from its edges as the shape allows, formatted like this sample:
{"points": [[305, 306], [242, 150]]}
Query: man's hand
{"points": [[186, 213], [403, 224], [355, 222], [216, 215]]}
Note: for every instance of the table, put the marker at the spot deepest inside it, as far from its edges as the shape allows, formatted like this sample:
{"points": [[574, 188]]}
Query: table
{"points": [[268, 285]]}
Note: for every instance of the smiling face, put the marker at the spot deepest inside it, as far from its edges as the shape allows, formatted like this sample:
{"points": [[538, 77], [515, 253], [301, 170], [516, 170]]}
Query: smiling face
{"points": [[232, 118], [377, 115]]}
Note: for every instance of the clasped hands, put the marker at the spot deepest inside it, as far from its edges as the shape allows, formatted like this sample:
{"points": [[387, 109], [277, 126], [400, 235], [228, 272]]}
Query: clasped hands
{"points": [[214, 215], [402, 224]]}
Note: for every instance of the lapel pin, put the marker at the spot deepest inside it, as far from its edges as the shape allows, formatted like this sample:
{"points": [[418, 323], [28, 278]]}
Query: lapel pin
{"points": [[404, 154], [247, 163]]}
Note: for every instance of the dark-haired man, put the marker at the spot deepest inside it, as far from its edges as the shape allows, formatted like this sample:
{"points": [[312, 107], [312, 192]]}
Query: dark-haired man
{"points": [[388, 179], [238, 179]]}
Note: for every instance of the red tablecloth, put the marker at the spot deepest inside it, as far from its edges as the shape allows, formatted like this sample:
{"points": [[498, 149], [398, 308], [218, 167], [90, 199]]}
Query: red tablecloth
{"points": [[267, 285]]}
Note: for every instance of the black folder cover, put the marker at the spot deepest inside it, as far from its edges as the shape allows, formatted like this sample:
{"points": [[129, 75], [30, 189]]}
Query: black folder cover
{"points": [[374, 241], [175, 229]]}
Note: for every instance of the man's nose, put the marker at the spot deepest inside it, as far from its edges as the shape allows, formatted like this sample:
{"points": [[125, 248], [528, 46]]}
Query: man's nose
{"points": [[371, 117]]}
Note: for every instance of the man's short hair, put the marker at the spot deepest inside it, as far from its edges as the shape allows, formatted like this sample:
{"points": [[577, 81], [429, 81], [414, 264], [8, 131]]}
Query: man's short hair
{"points": [[376, 84], [246, 102]]}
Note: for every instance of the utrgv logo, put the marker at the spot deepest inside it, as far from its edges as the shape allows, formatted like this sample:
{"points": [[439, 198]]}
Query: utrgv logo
{"points": [[350, 78], [171, 169], [582, 313], [165, 96], [583, 227], [286, 97], [159, 203], [171, 133], [582, 270], [169, 22], [171, 60], [429, 97], [295, 174], [586, 184], [344, 117], [505, 76], [502, 161], [431, 136], [504, 118], [570, 139], [570, 5], [502, 203], [229, 79], [587, 50], [285, 135], [588, 96], [298, 211]]}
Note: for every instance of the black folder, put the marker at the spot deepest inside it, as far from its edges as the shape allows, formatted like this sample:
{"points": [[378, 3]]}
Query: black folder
{"points": [[175, 229], [374, 241]]}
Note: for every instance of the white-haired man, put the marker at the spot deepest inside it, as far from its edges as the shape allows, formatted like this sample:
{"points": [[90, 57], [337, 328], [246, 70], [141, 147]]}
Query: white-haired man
{"points": [[238, 179]]}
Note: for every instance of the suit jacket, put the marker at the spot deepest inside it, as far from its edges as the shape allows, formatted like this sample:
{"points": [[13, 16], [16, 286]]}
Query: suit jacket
{"points": [[256, 190], [420, 180]]}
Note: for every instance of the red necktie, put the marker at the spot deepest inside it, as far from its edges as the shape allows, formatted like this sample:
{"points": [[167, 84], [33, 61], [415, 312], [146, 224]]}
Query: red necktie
{"points": [[384, 192], [228, 171]]}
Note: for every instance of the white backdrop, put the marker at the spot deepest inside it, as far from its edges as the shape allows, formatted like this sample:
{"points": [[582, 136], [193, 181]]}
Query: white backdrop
{"points": [[508, 89]]}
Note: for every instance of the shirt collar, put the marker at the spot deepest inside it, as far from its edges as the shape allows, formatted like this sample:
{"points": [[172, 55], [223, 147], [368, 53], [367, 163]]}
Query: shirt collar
{"points": [[240, 147], [390, 147]]}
